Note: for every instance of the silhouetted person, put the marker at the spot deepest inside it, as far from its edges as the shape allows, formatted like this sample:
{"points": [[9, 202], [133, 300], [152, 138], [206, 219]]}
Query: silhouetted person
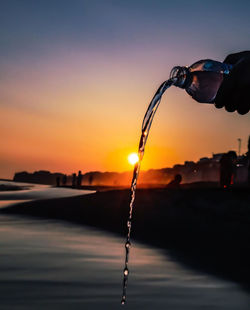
{"points": [[79, 179], [227, 169], [175, 183], [248, 156], [234, 92], [74, 180], [57, 181], [64, 180]]}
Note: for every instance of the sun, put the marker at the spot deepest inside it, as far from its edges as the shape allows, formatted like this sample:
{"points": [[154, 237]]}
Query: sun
{"points": [[133, 158]]}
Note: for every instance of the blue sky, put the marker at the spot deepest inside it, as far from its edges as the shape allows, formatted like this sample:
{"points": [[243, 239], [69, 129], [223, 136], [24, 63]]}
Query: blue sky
{"points": [[34, 27]]}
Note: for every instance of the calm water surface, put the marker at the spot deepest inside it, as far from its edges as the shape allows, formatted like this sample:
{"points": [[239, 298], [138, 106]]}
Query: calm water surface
{"points": [[37, 191], [54, 265]]}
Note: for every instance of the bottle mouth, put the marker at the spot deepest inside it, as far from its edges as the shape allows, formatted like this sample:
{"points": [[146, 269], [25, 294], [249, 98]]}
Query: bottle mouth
{"points": [[179, 75]]}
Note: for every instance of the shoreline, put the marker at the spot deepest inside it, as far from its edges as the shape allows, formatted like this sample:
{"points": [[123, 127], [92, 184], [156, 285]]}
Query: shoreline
{"points": [[203, 229], [4, 188]]}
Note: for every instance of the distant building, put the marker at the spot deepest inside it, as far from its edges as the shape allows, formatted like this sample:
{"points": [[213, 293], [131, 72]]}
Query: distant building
{"points": [[217, 157], [203, 159], [242, 169]]}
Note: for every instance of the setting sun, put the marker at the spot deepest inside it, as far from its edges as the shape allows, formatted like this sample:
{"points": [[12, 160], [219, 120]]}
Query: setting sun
{"points": [[133, 158]]}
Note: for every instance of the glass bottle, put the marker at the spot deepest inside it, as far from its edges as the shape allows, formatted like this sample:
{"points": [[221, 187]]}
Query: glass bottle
{"points": [[202, 79]]}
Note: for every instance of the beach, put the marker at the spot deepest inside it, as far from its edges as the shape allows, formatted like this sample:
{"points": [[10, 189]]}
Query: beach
{"points": [[46, 264], [68, 252]]}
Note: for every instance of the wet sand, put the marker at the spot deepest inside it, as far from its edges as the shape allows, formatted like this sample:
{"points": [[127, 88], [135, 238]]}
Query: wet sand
{"points": [[50, 264], [203, 229]]}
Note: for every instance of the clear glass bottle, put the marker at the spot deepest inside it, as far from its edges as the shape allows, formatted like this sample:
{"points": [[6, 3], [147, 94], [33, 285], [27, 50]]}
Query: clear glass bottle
{"points": [[202, 79]]}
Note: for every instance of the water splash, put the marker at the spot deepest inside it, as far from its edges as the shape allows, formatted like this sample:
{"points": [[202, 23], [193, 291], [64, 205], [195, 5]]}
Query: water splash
{"points": [[146, 125]]}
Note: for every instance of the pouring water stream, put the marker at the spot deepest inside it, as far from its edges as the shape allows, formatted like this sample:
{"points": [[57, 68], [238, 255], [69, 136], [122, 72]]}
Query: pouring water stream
{"points": [[146, 124]]}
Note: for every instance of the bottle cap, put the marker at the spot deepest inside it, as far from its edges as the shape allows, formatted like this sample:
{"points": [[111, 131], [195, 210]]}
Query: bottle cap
{"points": [[179, 76]]}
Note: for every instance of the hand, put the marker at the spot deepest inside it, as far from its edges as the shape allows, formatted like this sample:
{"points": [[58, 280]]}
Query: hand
{"points": [[234, 93]]}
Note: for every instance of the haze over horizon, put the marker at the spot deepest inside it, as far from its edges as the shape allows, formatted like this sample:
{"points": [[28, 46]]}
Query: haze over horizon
{"points": [[76, 78]]}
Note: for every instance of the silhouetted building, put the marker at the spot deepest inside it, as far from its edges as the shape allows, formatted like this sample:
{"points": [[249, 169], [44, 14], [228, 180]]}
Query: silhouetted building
{"points": [[217, 157], [204, 170]]}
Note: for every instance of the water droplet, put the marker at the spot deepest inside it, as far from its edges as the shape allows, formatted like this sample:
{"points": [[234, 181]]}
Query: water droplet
{"points": [[127, 245], [123, 301], [125, 272]]}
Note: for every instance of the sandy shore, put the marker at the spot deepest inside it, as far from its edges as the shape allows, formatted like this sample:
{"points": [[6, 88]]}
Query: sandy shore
{"points": [[205, 229]]}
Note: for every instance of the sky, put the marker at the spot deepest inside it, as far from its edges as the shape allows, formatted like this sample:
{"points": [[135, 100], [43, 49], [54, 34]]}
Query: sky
{"points": [[76, 78]]}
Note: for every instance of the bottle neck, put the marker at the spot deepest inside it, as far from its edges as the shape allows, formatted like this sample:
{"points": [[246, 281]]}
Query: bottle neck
{"points": [[179, 76]]}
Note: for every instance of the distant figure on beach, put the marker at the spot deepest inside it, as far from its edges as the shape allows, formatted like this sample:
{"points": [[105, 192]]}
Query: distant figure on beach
{"points": [[57, 181], [64, 180], [234, 91], [227, 169], [175, 183], [248, 156], [74, 180], [79, 179]]}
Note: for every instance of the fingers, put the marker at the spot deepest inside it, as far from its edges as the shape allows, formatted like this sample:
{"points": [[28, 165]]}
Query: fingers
{"points": [[243, 110], [235, 100], [225, 94], [220, 99], [231, 104], [234, 92], [234, 95], [243, 104], [232, 59]]}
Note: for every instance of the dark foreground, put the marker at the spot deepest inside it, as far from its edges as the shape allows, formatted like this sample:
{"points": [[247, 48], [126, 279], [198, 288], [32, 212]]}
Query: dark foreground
{"points": [[206, 229]]}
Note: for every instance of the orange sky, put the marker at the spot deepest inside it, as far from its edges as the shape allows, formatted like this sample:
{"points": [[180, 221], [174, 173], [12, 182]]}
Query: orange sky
{"points": [[73, 90], [94, 123]]}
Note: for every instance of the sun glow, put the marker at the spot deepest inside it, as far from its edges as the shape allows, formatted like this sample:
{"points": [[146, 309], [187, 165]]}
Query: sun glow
{"points": [[133, 158]]}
